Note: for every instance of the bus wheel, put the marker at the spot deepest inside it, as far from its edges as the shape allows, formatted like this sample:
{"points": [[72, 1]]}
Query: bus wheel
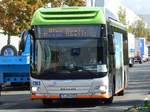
{"points": [[47, 102]]}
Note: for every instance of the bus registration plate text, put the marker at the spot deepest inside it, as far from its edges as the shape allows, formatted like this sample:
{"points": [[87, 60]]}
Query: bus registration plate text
{"points": [[68, 95]]}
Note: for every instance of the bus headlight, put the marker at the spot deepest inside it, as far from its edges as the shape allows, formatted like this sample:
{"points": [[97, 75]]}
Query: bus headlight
{"points": [[34, 89], [103, 89]]}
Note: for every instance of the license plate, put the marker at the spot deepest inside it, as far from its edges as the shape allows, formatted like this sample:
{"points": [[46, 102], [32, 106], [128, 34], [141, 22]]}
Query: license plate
{"points": [[68, 95]]}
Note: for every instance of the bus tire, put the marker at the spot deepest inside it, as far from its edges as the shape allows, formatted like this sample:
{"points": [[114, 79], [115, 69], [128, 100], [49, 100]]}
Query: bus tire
{"points": [[10, 47], [47, 102]]}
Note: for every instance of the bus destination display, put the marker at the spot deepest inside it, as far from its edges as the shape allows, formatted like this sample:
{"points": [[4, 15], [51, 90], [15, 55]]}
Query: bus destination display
{"points": [[68, 31]]}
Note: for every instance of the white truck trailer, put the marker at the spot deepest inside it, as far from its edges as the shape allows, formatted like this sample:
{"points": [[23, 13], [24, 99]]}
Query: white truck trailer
{"points": [[131, 48]]}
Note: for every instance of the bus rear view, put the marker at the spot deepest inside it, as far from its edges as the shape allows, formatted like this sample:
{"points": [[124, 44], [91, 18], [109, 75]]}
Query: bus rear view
{"points": [[70, 55]]}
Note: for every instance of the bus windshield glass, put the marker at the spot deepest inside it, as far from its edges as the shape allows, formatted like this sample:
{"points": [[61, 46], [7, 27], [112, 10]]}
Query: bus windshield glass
{"points": [[69, 50]]}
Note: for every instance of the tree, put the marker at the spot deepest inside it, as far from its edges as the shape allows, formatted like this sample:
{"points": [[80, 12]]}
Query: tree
{"points": [[147, 35], [122, 15], [34, 4], [58, 3], [138, 28], [15, 16], [75, 2]]}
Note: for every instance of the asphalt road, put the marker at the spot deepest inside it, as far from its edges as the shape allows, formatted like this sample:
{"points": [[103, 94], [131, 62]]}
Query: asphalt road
{"points": [[138, 90]]}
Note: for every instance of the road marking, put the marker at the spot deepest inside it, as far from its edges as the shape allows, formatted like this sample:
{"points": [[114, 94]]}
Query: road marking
{"points": [[139, 70], [15, 92]]}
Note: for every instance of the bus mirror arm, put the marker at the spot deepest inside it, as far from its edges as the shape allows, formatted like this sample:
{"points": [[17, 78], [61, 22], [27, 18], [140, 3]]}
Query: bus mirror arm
{"points": [[31, 32], [111, 44]]}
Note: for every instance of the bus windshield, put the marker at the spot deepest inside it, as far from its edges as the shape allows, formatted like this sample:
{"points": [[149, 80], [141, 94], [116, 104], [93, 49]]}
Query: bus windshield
{"points": [[73, 53]]}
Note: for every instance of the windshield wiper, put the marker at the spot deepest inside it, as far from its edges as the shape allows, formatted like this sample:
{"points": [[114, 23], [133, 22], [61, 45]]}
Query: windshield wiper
{"points": [[67, 69], [59, 69], [78, 68]]}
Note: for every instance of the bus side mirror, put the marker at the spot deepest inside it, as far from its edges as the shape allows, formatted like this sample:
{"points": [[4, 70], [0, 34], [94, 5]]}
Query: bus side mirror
{"points": [[111, 44], [22, 43]]}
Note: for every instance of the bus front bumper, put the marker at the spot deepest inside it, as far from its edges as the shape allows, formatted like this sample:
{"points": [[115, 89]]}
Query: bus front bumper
{"points": [[57, 97]]}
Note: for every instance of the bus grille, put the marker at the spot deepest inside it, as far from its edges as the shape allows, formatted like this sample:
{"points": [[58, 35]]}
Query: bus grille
{"points": [[68, 15]]}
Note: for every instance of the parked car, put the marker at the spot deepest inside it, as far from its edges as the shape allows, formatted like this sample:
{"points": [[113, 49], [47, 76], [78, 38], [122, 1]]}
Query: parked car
{"points": [[138, 59]]}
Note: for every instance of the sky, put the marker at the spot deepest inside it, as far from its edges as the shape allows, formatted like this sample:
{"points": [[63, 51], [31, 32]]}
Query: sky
{"points": [[113, 6], [141, 7]]}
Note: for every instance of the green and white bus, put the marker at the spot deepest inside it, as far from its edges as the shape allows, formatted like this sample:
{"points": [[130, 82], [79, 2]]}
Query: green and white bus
{"points": [[77, 53]]}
